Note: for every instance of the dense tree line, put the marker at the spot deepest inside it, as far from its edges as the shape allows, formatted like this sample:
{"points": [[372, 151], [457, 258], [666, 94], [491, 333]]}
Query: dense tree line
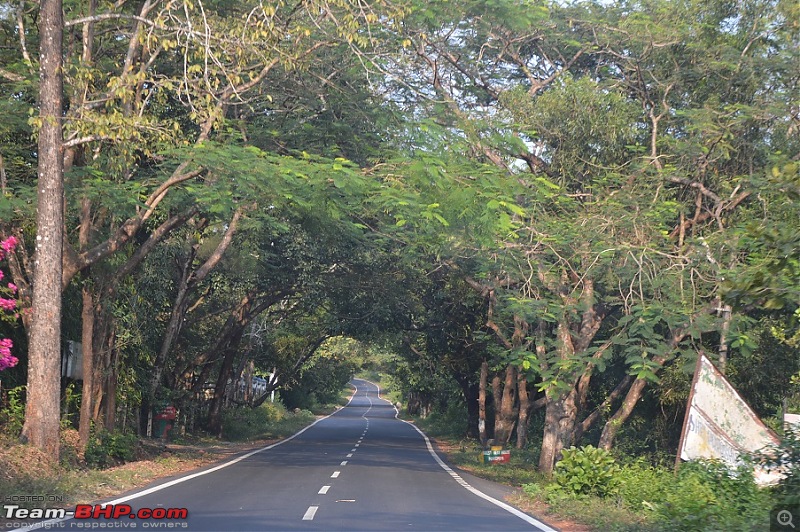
{"points": [[546, 209]]}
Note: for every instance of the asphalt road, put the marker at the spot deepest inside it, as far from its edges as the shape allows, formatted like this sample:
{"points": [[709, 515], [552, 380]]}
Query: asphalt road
{"points": [[358, 469]]}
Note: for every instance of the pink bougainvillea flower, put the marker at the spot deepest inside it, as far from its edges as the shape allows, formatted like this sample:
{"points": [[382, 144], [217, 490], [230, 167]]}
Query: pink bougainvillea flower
{"points": [[9, 244], [12, 287], [7, 360], [8, 304]]}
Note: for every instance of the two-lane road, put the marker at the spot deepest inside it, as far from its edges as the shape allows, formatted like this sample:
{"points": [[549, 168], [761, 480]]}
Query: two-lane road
{"points": [[358, 469]]}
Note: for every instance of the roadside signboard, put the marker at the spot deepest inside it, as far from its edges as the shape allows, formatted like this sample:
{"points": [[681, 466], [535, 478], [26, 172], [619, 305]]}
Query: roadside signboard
{"points": [[720, 425]]}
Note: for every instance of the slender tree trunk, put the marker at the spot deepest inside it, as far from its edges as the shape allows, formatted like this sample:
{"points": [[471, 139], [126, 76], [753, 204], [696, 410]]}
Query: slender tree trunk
{"points": [[524, 405], [110, 383], [613, 425], [87, 336], [179, 306], [482, 404], [42, 413], [727, 312]]}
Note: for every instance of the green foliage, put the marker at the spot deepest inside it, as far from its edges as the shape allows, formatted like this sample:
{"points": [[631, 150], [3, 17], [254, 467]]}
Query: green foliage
{"points": [[447, 423], [708, 496], [12, 416], [244, 423], [785, 458], [587, 471], [107, 448]]}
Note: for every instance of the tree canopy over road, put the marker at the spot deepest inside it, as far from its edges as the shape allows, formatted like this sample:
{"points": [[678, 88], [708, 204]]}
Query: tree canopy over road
{"points": [[543, 211]]}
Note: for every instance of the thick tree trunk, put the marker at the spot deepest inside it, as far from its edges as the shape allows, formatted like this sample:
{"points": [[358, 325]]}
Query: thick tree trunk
{"points": [[559, 423], [42, 412], [507, 415]]}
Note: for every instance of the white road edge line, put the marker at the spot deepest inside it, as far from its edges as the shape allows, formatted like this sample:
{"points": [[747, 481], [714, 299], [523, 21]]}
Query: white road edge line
{"points": [[510, 509], [309, 515], [48, 524]]}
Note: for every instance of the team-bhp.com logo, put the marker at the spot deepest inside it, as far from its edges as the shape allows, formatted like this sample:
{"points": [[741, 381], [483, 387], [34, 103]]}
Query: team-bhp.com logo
{"points": [[94, 512]]}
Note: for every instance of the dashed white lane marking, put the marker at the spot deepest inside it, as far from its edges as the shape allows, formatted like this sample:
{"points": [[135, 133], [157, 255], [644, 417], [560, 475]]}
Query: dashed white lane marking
{"points": [[353, 450], [349, 455], [344, 462], [335, 474], [323, 490], [359, 443], [309, 515]]}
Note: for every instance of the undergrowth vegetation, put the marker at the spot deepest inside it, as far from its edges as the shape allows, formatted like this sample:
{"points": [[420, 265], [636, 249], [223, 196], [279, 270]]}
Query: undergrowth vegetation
{"points": [[270, 420]]}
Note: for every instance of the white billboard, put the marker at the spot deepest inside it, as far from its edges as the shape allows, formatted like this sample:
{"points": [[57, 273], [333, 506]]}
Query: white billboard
{"points": [[720, 425]]}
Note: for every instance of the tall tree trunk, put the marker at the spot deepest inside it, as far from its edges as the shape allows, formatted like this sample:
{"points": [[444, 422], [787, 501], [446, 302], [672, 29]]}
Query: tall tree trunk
{"points": [[87, 336], [110, 382], [482, 404], [42, 413], [524, 406]]}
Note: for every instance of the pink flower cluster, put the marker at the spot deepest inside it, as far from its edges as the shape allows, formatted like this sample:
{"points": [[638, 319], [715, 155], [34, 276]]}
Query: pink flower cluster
{"points": [[8, 304], [7, 246], [7, 360]]}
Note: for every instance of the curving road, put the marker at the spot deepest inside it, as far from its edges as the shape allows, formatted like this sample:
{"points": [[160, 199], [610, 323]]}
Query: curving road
{"points": [[358, 469]]}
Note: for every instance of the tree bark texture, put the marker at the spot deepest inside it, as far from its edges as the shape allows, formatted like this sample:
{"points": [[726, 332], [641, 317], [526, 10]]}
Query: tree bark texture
{"points": [[42, 412]]}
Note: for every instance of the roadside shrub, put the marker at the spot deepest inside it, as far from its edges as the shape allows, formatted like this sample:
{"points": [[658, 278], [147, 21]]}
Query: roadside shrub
{"points": [[106, 448], [270, 420], [706, 495], [642, 485], [587, 471], [13, 416]]}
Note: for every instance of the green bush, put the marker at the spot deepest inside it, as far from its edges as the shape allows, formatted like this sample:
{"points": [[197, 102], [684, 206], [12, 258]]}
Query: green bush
{"points": [[587, 471], [106, 448], [642, 485], [270, 420], [704, 495], [13, 416]]}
